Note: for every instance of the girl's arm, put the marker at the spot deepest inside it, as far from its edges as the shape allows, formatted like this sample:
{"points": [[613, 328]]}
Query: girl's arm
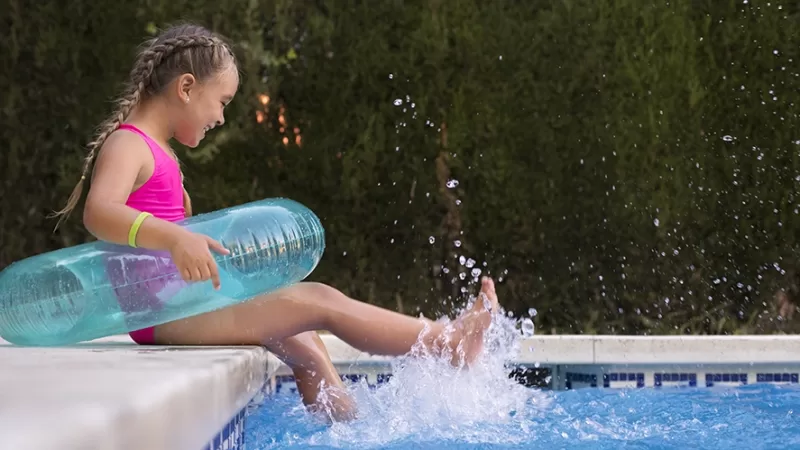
{"points": [[117, 168], [187, 203], [106, 216]]}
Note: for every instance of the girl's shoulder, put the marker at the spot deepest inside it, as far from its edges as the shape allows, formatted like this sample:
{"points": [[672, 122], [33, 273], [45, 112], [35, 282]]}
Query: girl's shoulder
{"points": [[125, 148]]}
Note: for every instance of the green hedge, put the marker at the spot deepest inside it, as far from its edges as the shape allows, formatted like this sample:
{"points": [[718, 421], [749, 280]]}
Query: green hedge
{"points": [[623, 167]]}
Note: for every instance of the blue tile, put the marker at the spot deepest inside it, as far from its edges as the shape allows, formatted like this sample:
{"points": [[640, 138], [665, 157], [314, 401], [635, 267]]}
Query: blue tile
{"points": [[660, 378], [777, 377], [231, 436], [285, 379], [354, 377], [712, 378], [638, 377], [586, 378]]}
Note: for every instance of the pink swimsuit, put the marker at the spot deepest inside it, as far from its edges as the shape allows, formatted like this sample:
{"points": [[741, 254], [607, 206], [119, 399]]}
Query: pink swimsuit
{"points": [[162, 196]]}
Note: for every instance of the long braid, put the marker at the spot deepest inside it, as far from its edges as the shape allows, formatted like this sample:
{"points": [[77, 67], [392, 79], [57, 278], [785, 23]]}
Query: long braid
{"points": [[141, 85]]}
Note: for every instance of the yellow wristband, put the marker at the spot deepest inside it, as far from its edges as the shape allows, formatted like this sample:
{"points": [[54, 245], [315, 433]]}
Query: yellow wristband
{"points": [[135, 228]]}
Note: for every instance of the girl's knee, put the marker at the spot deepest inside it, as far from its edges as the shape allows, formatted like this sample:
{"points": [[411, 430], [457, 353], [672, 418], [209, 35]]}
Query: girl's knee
{"points": [[308, 337], [301, 351]]}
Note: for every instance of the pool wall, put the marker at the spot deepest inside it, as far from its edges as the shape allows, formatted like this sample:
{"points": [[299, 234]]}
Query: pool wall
{"points": [[576, 361], [113, 394]]}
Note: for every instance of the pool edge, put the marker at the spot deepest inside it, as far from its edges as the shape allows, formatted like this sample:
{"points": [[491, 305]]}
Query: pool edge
{"points": [[198, 397], [576, 361]]}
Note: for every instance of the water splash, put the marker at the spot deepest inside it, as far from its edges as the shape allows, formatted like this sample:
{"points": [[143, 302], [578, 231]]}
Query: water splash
{"points": [[428, 397]]}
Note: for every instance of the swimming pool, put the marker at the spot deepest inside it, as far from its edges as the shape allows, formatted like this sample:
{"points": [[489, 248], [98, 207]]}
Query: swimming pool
{"points": [[751, 416], [558, 392], [578, 392]]}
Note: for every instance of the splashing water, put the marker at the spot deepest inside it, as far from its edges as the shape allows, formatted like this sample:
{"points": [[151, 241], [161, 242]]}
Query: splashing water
{"points": [[429, 404], [428, 397]]}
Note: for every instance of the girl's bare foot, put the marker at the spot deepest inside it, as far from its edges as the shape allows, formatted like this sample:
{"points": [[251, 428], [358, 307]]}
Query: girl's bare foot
{"points": [[464, 336]]}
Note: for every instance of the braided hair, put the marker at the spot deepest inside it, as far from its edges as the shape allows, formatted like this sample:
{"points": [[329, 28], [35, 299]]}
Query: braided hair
{"points": [[177, 50]]}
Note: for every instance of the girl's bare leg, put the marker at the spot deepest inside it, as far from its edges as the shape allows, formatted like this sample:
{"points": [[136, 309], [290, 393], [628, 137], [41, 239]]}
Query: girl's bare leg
{"points": [[273, 318], [308, 358], [313, 306]]}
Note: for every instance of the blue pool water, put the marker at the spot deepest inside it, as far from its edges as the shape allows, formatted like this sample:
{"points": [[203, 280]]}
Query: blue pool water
{"points": [[752, 417], [429, 404]]}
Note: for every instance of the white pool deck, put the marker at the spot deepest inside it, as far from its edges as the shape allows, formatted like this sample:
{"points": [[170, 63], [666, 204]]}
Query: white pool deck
{"points": [[112, 394]]}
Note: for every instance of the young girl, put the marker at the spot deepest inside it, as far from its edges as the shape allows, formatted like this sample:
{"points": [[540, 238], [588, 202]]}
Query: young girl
{"points": [[179, 87]]}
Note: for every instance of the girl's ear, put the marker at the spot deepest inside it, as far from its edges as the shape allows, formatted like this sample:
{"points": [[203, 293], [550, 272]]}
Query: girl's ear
{"points": [[185, 84]]}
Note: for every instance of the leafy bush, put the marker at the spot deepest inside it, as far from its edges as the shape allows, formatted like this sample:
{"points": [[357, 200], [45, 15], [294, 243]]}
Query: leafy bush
{"points": [[622, 167]]}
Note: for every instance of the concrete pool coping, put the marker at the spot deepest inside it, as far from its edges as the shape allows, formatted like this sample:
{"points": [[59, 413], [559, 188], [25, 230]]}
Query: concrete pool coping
{"points": [[113, 394], [597, 349]]}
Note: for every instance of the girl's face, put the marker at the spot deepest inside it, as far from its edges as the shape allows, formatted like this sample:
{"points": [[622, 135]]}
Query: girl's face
{"points": [[202, 105]]}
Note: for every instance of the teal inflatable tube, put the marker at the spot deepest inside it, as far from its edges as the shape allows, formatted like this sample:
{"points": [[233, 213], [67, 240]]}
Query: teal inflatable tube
{"points": [[101, 289]]}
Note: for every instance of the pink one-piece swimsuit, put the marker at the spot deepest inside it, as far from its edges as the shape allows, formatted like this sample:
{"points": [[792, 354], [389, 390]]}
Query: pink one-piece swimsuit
{"points": [[162, 196]]}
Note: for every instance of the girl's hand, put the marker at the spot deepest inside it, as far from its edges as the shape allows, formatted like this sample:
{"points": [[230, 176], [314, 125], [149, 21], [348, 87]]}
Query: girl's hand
{"points": [[191, 253]]}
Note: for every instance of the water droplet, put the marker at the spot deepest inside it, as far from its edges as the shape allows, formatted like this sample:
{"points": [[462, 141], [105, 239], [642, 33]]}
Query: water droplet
{"points": [[656, 222], [527, 327], [391, 75], [470, 263], [452, 183], [462, 260], [727, 138], [476, 272], [431, 239], [532, 312], [457, 243], [398, 102]]}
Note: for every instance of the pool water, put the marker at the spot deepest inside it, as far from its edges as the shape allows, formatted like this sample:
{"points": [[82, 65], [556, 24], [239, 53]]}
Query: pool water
{"points": [[429, 404], [752, 417]]}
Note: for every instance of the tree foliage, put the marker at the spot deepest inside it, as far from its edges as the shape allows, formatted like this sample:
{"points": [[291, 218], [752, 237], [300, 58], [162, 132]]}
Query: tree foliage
{"points": [[621, 166]]}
